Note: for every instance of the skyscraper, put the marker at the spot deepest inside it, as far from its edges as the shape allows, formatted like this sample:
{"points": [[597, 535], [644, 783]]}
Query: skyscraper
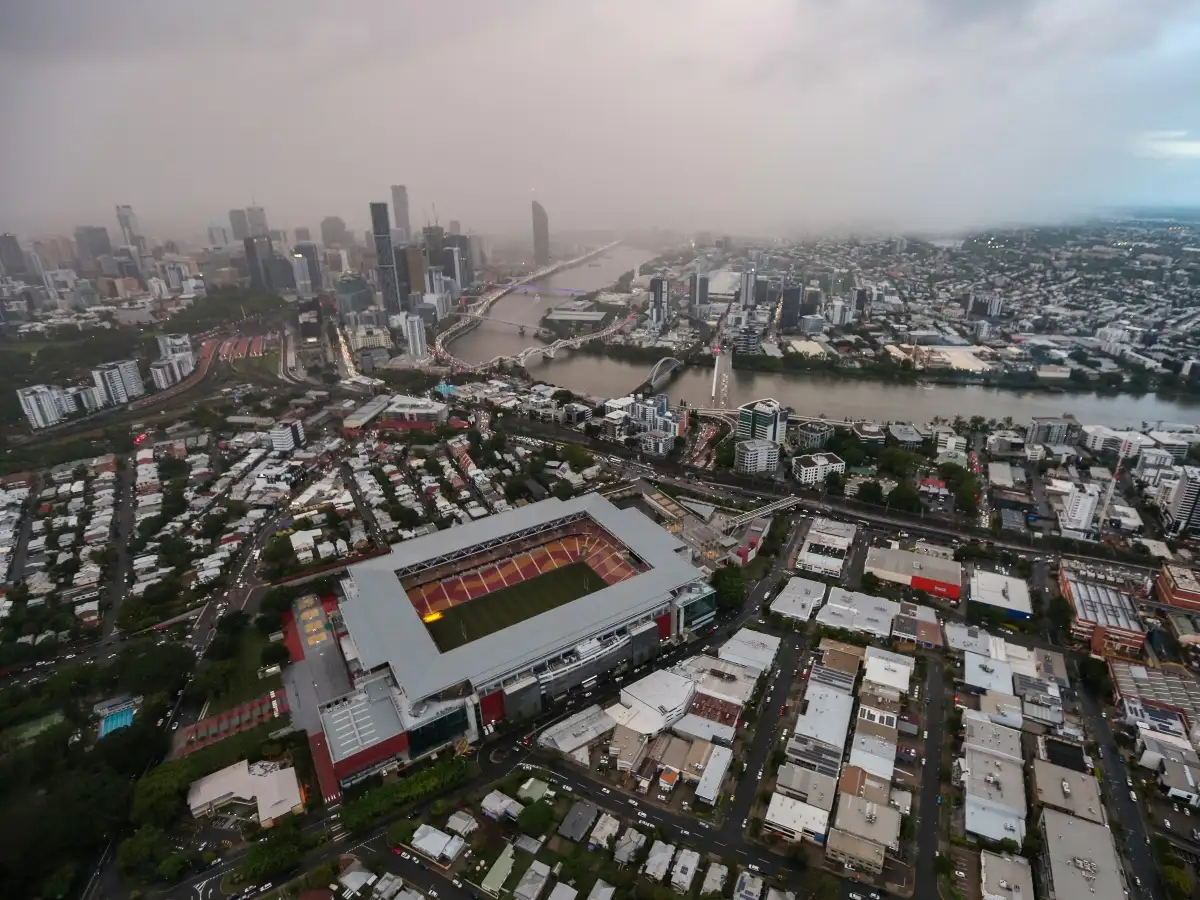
{"points": [[746, 292], [42, 405], [400, 207], [333, 232], [455, 226], [455, 265], [12, 257], [463, 243], [256, 217], [302, 234], [697, 294], [239, 224], [541, 235], [385, 258], [312, 258], [300, 275], [93, 242], [258, 252], [435, 240], [414, 334], [659, 297], [218, 236], [415, 270], [131, 233]]}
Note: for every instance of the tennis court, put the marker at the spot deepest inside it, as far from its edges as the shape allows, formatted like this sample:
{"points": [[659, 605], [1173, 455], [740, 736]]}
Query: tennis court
{"points": [[501, 609], [122, 718]]}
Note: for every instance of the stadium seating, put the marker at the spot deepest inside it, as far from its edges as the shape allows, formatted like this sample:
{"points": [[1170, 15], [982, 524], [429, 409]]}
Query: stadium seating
{"points": [[464, 580]]}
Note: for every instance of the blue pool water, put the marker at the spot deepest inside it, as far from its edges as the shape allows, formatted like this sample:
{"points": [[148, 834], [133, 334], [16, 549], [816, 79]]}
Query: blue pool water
{"points": [[115, 721]]}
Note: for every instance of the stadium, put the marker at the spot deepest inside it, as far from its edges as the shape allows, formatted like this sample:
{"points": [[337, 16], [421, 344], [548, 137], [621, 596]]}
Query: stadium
{"points": [[455, 631]]}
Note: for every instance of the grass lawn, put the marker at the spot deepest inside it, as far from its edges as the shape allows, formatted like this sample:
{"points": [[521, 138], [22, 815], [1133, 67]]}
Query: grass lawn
{"points": [[500, 609], [245, 684]]}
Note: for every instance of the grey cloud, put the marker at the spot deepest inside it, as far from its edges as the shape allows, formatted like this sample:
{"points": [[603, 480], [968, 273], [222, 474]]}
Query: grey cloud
{"points": [[764, 114]]}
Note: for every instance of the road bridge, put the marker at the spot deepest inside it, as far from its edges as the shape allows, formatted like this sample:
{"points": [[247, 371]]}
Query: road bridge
{"points": [[662, 371]]}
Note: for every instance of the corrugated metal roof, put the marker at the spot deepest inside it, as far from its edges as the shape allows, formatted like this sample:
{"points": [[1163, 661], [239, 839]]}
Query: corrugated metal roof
{"points": [[388, 630]]}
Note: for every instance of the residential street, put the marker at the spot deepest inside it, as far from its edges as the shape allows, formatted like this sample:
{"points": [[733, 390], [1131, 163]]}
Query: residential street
{"points": [[126, 507]]}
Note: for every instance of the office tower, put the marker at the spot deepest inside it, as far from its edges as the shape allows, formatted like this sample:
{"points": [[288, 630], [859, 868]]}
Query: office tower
{"points": [[414, 270], [119, 382], [400, 208], [385, 258], [219, 236], [258, 253], [256, 218], [333, 232], [454, 264], [312, 259], [42, 404], [12, 257], [278, 237], [435, 242], [455, 226], [239, 224], [659, 297], [697, 294], [746, 292], [414, 334], [765, 419], [810, 302], [463, 243], [541, 235], [92, 243], [287, 436], [789, 312], [55, 252], [300, 276], [131, 233], [303, 235], [353, 294]]}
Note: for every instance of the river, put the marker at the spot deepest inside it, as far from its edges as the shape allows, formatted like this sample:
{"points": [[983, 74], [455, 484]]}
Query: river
{"points": [[809, 395]]}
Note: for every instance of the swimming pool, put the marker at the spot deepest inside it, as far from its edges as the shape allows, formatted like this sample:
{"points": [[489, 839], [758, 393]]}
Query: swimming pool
{"points": [[115, 721]]}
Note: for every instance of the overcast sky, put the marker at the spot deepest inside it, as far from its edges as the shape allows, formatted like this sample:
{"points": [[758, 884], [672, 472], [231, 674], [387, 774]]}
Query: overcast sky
{"points": [[748, 116]]}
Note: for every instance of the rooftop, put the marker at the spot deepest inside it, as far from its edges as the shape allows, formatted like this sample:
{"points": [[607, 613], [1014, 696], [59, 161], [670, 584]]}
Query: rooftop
{"points": [[1165, 687], [274, 791], [876, 822], [1083, 860], [795, 816], [799, 598], [982, 733], [987, 674], [1105, 604], [388, 630], [858, 612], [1013, 872], [749, 648], [1074, 792], [826, 715], [1002, 591], [914, 565]]}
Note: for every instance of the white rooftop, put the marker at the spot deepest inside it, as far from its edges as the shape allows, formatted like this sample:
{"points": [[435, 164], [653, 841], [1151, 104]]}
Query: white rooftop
{"points": [[799, 598], [751, 649], [1001, 591]]}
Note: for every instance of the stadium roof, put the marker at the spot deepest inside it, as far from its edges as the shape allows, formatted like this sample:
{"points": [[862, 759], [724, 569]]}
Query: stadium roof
{"points": [[387, 629]]}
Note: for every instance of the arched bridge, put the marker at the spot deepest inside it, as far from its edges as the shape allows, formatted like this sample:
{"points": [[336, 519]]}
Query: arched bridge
{"points": [[662, 370]]}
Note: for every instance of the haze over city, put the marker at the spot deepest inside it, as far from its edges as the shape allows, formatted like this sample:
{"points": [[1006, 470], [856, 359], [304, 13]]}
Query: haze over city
{"points": [[767, 116]]}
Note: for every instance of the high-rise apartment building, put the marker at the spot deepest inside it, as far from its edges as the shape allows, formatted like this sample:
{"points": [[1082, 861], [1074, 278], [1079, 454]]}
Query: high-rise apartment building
{"points": [[697, 294], [414, 335], [1079, 509], [746, 291], [659, 299], [541, 235], [256, 218], [287, 436], [131, 232], [312, 261], [42, 404], [765, 419], [239, 224], [219, 236], [119, 382], [385, 258], [12, 257], [1183, 509], [400, 208], [334, 233]]}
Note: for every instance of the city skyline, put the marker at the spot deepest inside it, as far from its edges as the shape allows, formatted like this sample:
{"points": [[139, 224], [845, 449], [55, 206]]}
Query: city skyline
{"points": [[926, 116]]}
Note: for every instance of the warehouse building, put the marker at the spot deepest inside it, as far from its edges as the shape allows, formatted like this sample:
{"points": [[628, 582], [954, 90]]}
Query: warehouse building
{"points": [[920, 571]]}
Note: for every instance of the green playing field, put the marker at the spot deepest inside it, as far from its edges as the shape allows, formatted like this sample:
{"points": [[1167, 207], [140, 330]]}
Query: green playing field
{"points": [[498, 610]]}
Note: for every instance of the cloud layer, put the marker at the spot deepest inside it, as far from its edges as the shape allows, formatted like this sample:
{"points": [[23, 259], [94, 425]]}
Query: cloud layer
{"points": [[757, 116]]}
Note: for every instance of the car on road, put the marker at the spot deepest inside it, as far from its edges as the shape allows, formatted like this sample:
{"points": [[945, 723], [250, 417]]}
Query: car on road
{"points": [[641, 815], [744, 822], [456, 883], [632, 802], [760, 771], [854, 896], [605, 791], [926, 734]]}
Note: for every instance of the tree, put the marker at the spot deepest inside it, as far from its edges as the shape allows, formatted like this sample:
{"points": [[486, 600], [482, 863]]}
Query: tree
{"points": [[904, 497], [278, 551], [401, 832], [158, 797], [275, 654], [563, 491], [142, 851], [173, 868], [536, 818], [1060, 614], [432, 466], [729, 582], [870, 492], [870, 583], [1094, 673], [897, 462], [835, 484]]}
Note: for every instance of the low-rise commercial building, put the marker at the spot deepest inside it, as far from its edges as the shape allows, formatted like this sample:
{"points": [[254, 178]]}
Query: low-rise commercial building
{"points": [[920, 571], [1105, 616]]}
